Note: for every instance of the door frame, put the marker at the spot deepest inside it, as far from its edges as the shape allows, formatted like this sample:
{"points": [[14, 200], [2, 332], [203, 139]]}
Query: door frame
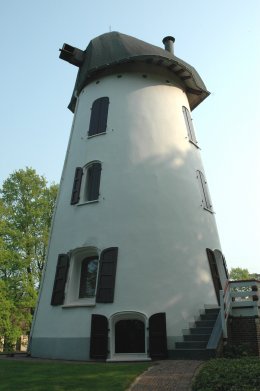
{"points": [[127, 315]]}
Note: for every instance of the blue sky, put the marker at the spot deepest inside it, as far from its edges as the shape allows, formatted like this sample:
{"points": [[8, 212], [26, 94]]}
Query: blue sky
{"points": [[219, 38]]}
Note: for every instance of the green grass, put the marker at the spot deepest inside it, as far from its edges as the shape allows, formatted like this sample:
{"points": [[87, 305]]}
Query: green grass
{"points": [[55, 376], [241, 374]]}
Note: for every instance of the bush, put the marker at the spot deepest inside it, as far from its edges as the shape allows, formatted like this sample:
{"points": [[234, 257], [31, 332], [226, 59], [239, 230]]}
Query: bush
{"points": [[229, 375], [236, 351]]}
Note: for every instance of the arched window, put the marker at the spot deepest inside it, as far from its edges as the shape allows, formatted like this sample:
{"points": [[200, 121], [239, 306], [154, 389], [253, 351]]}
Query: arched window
{"points": [[189, 126], [92, 174], [98, 119], [86, 183], [91, 277], [88, 277]]}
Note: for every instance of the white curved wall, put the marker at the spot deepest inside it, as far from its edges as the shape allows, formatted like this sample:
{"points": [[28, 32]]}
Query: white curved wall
{"points": [[149, 207]]}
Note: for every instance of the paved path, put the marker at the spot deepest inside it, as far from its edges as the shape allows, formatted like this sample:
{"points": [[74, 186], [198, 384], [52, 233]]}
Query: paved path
{"points": [[169, 375]]}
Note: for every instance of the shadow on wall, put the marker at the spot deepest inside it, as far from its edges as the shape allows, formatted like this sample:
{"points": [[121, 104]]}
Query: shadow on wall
{"points": [[178, 223]]}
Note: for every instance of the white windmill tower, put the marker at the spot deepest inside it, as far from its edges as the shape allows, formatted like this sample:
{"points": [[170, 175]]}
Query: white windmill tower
{"points": [[134, 231]]}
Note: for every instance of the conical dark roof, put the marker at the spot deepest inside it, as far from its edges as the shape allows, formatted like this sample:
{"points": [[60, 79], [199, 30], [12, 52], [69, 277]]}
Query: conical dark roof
{"points": [[114, 48]]}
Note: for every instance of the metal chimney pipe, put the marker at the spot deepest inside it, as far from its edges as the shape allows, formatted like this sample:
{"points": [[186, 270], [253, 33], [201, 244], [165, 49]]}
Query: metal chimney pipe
{"points": [[168, 43]]}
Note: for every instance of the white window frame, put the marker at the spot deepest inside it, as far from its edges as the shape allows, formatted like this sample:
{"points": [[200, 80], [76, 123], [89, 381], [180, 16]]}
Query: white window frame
{"points": [[83, 189], [127, 315], [73, 281]]}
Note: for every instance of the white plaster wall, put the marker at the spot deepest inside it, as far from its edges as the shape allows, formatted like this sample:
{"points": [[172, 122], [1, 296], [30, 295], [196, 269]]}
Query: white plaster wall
{"points": [[149, 207]]}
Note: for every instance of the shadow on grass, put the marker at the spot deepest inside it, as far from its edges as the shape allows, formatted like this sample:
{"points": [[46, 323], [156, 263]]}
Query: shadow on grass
{"points": [[48, 376]]}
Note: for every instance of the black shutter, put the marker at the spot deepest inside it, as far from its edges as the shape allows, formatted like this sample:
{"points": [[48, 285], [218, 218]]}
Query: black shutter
{"points": [[98, 119], [214, 272], [158, 336], [104, 102], [60, 279], [189, 125], [99, 337], [225, 266], [93, 181], [107, 275], [206, 197], [76, 186]]}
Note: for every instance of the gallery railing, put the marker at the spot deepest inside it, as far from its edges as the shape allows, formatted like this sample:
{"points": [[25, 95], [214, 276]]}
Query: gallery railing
{"points": [[239, 294]]}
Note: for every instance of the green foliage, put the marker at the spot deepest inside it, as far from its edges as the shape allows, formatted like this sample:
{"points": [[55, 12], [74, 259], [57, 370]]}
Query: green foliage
{"points": [[237, 273], [238, 351], [26, 207], [32, 376], [229, 375]]}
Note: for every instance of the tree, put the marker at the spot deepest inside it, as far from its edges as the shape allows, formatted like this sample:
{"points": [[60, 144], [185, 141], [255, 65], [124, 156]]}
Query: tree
{"points": [[26, 208], [237, 273]]}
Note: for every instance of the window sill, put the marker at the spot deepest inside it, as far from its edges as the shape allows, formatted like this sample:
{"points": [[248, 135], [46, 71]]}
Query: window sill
{"points": [[209, 210], [95, 135], [80, 304], [195, 144], [87, 202]]}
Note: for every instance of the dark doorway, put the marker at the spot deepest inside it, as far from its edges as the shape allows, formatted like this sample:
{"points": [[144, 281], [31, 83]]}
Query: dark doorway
{"points": [[129, 336]]}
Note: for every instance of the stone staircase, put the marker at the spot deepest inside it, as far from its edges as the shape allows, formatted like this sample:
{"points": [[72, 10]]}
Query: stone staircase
{"points": [[196, 338]]}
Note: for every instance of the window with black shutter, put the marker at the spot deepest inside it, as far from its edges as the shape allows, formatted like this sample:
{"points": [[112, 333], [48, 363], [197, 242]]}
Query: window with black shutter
{"points": [[158, 336], [60, 279], [75, 196], [86, 183], [189, 125], [98, 118], [99, 337], [214, 272], [92, 185], [107, 275], [206, 200]]}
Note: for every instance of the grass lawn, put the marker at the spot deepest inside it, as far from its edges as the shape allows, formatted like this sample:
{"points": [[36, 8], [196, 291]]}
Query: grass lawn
{"points": [[56, 376], [240, 374]]}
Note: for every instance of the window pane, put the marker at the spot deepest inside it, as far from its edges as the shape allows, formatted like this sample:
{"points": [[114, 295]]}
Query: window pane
{"points": [[88, 277]]}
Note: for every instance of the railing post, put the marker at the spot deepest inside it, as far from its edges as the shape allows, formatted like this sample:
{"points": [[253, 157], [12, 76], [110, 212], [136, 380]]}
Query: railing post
{"points": [[222, 311]]}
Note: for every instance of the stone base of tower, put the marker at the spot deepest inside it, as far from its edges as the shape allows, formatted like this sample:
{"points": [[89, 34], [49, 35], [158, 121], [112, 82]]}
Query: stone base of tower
{"points": [[61, 348], [131, 336]]}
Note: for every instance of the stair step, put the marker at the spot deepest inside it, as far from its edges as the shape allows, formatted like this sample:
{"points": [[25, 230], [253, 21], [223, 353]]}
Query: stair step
{"points": [[192, 354], [191, 345], [196, 337], [211, 310], [209, 316], [195, 340], [205, 323], [201, 330]]}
